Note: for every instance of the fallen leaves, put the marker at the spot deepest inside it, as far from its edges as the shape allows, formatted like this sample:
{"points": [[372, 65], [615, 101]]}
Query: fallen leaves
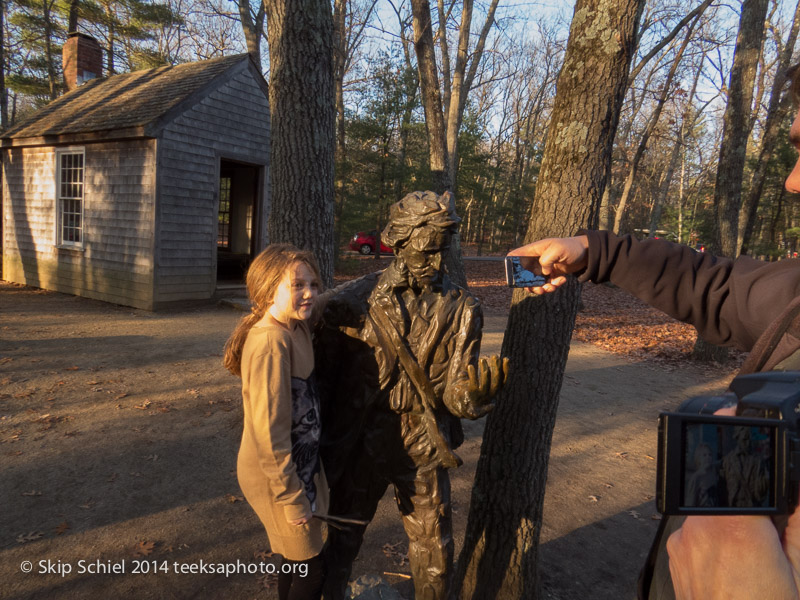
{"points": [[594, 498], [24, 538], [144, 548], [233, 499], [144, 405], [263, 555], [32, 493], [62, 528], [618, 322], [268, 581], [397, 552]]}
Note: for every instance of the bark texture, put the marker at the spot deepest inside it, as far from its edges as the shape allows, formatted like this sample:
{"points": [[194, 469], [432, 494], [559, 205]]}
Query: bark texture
{"points": [[500, 551], [737, 124], [301, 99], [777, 110]]}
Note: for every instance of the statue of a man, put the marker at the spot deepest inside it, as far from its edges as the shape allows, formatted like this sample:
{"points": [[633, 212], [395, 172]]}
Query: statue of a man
{"points": [[422, 334]]}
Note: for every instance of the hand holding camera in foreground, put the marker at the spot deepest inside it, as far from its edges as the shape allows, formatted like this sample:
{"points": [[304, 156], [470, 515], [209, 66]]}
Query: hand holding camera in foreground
{"points": [[735, 556], [554, 258]]}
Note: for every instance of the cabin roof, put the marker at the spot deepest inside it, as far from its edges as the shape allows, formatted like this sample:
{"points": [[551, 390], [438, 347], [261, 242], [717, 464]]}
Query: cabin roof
{"points": [[131, 105]]}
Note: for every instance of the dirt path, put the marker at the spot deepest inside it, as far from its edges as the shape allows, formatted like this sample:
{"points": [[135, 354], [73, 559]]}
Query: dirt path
{"points": [[119, 431]]}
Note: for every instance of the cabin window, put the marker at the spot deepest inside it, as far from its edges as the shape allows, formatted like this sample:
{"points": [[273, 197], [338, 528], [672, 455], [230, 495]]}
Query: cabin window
{"points": [[69, 192], [224, 227]]}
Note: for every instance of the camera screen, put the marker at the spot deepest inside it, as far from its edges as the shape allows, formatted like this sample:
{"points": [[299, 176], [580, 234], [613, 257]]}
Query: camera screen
{"points": [[728, 466], [518, 276]]}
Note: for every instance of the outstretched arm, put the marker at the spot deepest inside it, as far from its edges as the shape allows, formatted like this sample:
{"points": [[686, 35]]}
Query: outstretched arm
{"points": [[731, 303]]}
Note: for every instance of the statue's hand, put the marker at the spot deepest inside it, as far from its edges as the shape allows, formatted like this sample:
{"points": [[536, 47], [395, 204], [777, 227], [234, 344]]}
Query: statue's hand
{"points": [[483, 385]]}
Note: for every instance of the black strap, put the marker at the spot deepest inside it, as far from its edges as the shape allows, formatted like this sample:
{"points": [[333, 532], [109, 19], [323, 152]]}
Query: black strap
{"points": [[390, 337], [765, 345]]}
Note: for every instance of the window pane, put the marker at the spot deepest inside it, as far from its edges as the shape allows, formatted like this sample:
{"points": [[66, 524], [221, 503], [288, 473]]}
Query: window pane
{"points": [[70, 187]]}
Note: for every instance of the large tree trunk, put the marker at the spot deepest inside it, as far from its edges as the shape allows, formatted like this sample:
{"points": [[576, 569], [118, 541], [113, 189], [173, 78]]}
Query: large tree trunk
{"points": [[737, 123], [299, 34], [776, 112], [501, 545]]}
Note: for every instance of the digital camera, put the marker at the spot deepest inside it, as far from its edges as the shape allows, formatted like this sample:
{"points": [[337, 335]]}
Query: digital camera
{"points": [[519, 276], [743, 465]]}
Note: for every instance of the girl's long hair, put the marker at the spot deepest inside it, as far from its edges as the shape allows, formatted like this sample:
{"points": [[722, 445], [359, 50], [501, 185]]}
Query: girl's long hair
{"points": [[265, 273]]}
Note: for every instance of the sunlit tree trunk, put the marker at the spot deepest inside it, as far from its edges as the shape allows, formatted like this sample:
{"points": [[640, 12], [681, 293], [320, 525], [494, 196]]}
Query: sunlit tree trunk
{"points": [[737, 124], [500, 550], [776, 112]]}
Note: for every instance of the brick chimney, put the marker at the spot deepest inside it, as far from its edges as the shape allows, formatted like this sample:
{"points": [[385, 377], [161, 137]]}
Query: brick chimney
{"points": [[82, 59]]}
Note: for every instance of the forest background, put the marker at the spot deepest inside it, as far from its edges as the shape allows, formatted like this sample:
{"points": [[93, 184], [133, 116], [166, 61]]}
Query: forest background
{"points": [[665, 152]]}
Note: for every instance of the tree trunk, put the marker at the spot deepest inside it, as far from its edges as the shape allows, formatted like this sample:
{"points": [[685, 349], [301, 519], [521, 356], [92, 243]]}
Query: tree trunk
{"points": [[339, 62], [253, 28], [431, 96], [500, 551], [48, 48], [299, 34], [776, 112], [737, 123], [3, 88], [463, 79], [651, 126], [687, 123]]}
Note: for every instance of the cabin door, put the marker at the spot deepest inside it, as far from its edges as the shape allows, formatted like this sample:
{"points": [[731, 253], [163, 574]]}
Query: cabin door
{"points": [[238, 188]]}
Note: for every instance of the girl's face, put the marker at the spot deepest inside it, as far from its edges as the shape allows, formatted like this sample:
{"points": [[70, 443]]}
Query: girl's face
{"points": [[295, 295], [704, 459]]}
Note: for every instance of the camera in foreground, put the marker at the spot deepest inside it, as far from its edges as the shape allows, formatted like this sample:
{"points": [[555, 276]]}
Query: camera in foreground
{"points": [[719, 465]]}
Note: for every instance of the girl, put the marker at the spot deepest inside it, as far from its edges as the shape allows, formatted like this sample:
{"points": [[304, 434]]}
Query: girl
{"points": [[278, 468]]}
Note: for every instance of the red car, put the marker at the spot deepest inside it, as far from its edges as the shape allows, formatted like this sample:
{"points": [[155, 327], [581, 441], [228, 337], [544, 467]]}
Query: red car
{"points": [[364, 242]]}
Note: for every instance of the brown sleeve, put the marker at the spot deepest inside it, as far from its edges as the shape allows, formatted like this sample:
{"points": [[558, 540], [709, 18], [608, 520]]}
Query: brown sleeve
{"points": [[729, 302], [270, 389]]}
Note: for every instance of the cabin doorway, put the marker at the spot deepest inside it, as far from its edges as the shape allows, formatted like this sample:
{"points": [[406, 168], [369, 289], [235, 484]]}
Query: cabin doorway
{"points": [[238, 190]]}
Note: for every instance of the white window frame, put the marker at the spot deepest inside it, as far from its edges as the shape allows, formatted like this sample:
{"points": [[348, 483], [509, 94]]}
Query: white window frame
{"points": [[71, 195]]}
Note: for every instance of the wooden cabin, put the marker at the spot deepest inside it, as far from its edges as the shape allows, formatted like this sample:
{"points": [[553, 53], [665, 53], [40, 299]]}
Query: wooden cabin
{"points": [[141, 189]]}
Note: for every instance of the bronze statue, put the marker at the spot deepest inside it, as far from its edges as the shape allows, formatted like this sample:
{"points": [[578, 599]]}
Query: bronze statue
{"points": [[408, 369]]}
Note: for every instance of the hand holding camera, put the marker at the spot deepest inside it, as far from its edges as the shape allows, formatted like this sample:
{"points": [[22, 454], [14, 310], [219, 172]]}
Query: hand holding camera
{"points": [[553, 258], [721, 465]]}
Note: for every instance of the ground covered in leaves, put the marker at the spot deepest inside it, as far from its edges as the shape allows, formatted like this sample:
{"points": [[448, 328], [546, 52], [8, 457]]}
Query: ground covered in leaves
{"points": [[119, 431]]}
